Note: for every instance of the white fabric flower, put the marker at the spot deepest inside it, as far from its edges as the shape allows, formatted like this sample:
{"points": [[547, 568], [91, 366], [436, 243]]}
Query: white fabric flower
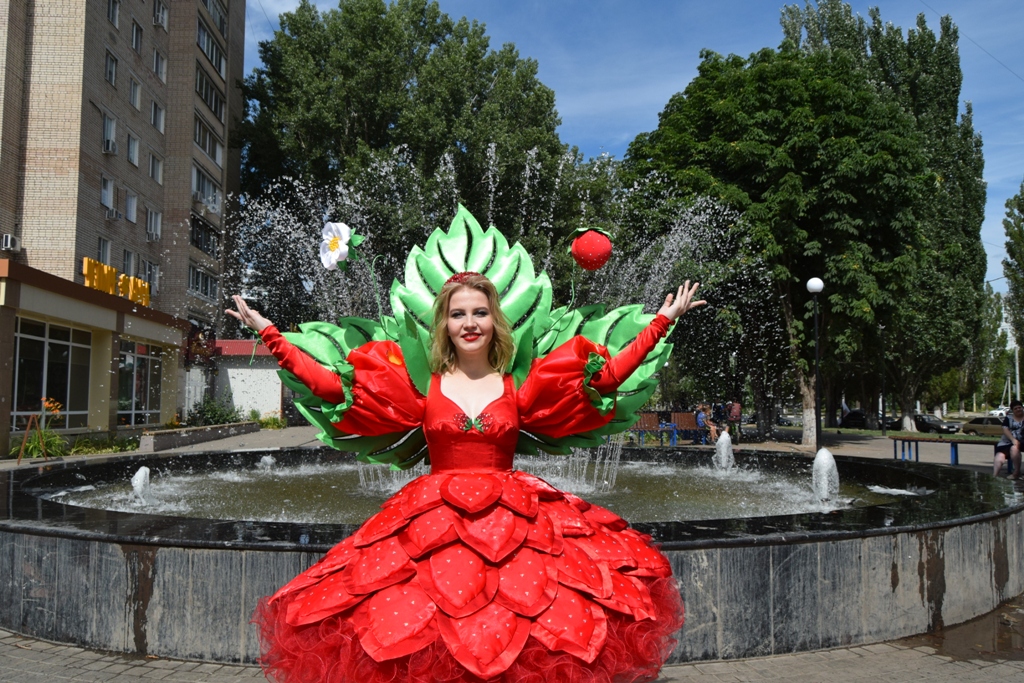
{"points": [[334, 247]]}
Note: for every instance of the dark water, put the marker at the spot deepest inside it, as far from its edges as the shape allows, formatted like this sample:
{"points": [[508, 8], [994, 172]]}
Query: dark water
{"points": [[998, 635], [340, 493]]}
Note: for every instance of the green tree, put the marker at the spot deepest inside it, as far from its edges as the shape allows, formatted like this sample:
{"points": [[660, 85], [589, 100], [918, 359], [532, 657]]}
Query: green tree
{"points": [[387, 115], [1013, 264], [826, 168], [338, 88], [985, 351], [935, 326]]}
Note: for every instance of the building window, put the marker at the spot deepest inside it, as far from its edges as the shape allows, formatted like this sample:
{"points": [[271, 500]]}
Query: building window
{"points": [[204, 236], [131, 209], [160, 14], [107, 194], [103, 251], [156, 117], [208, 142], [205, 190], [50, 361], [111, 69], [135, 93], [136, 37], [139, 372], [154, 221], [128, 263], [160, 65], [209, 93], [150, 272], [219, 15], [113, 9], [156, 169], [133, 150], [210, 47], [201, 283], [109, 135]]}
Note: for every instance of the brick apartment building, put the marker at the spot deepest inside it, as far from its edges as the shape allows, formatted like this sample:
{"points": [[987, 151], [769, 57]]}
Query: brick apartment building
{"points": [[114, 166]]}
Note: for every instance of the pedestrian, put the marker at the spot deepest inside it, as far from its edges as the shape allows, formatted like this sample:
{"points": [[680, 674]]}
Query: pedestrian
{"points": [[1008, 448]]}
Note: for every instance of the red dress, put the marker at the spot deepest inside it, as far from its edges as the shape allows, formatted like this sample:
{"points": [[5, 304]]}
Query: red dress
{"points": [[476, 571]]}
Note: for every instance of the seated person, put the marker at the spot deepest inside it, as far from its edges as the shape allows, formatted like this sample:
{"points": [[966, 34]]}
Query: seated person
{"points": [[1008, 447], [704, 422]]}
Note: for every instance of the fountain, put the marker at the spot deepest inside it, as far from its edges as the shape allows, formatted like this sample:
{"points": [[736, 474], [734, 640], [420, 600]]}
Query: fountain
{"points": [[724, 458], [825, 480], [140, 484], [181, 586], [176, 586]]}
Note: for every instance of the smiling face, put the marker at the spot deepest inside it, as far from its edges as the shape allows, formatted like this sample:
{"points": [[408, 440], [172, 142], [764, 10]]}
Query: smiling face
{"points": [[470, 325]]}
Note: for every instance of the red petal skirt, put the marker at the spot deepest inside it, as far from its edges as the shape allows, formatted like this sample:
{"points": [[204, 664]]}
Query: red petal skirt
{"points": [[472, 576]]}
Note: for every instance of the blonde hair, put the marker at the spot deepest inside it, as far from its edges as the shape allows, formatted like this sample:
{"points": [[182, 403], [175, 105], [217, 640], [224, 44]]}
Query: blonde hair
{"points": [[442, 351]]}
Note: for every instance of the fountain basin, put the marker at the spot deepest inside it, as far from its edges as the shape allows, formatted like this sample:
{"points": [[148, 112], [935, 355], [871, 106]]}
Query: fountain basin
{"points": [[184, 588]]}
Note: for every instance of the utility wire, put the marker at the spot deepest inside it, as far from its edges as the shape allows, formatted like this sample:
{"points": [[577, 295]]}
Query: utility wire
{"points": [[978, 45], [271, 24]]}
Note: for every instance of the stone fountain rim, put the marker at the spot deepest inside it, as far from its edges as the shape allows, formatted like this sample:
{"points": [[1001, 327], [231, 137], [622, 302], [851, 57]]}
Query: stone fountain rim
{"points": [[24, 512]]}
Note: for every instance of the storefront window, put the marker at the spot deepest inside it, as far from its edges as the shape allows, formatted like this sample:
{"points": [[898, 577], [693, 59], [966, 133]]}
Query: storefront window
{"points": [[51, 361], [138, 384]]}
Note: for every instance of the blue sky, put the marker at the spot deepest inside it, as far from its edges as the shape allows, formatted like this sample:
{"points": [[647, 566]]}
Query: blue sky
{"points": [[613, 65]]}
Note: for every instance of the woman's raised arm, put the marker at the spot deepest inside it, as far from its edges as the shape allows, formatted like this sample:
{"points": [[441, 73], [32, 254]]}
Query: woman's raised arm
{"points": [[248, 317], [321, 381], [682, 302], [625, 363]]}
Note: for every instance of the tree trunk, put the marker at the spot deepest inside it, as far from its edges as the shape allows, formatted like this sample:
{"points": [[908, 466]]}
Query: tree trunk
{"points": [[906, 398], [807, 398]]}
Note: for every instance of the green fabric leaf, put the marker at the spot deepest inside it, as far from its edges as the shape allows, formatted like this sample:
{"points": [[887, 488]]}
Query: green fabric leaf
{"points": [[415, 350], [523, 359], [525, 296], [602, 403]]}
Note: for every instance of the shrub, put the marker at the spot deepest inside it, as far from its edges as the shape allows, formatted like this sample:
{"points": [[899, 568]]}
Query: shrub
{"points": [[54, 443], [273, 421], [210, 411], [88, 445]]}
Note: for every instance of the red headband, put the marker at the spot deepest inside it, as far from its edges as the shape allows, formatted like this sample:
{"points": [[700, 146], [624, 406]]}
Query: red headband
{"points": [[460, 278]]}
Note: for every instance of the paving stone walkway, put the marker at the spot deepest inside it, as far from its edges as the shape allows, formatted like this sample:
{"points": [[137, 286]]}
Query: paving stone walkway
{"points": [[24, 660]]}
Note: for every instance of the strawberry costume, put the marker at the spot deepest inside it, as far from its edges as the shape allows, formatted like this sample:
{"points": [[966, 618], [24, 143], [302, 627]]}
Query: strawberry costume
{"points": [[473, 571]]}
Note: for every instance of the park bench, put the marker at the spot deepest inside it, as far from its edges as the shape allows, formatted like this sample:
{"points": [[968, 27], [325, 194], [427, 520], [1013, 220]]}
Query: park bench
{"points": [[913, 443], [649, 422], [686, 424]]}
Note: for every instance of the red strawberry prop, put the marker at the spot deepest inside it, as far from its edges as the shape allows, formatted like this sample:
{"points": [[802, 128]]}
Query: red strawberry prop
{"points": [[592, 248]]}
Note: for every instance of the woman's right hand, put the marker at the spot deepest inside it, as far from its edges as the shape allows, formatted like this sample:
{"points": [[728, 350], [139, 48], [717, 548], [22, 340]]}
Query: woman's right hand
{"points": [[247, 316], [682, 302]]}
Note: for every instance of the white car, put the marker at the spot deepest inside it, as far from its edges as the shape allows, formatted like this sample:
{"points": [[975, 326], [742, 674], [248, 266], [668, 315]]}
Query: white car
{"points": [[1001, 411]]}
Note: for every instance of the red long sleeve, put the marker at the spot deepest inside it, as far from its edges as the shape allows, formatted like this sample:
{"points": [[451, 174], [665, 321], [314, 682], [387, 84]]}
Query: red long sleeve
{"points": [[321, 381], [625, 363]]}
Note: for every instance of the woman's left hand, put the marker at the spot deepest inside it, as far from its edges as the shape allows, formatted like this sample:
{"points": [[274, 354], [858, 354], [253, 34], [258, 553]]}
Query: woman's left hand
{"points": [[681, 302]]}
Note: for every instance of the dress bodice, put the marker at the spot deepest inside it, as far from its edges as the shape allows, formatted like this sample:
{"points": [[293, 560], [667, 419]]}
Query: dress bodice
{"points": [[458, 442]]}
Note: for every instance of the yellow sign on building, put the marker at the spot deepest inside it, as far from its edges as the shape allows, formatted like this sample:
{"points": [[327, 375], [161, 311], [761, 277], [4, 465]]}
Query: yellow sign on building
{"points": [[133, 288], [106, 279]]}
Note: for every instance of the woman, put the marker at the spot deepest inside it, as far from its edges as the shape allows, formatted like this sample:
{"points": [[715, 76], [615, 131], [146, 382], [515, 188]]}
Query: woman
{"points": [[476, 571], [704, 422], [1008, 448]]}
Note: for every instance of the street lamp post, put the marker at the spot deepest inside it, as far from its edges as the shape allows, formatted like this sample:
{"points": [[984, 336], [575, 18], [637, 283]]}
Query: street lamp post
{"points": [[814, 286], [881, 339]]}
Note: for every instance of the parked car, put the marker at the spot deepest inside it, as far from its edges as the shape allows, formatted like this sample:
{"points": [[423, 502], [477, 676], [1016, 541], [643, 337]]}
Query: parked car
{"points": [[1001, 411], [780, 420], [858, 419], [985, 426], [931, 424]]}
